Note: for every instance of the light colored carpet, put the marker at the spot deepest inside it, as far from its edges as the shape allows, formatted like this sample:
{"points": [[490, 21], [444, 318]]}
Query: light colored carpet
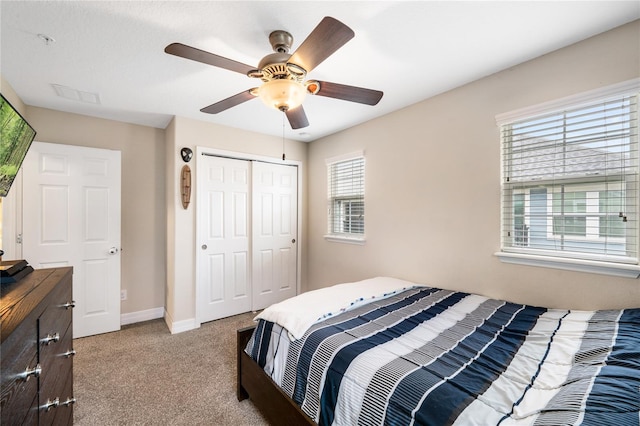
{"points": [[143, 375]]}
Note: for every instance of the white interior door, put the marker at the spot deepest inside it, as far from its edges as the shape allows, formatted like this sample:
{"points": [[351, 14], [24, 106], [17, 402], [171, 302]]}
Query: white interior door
{"points": [[71, 217], [275, 235], [223, 278], [247, 231]]}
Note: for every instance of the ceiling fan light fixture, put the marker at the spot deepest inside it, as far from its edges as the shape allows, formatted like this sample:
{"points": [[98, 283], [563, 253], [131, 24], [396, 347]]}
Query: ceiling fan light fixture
{"points": [[282, 94]]}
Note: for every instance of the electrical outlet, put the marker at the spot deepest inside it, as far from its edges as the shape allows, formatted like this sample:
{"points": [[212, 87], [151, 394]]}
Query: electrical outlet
{"points": [[123, 294]]}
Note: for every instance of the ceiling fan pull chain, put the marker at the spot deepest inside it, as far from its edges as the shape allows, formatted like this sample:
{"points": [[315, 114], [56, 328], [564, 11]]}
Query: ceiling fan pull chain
{"points": [[283, 156]]}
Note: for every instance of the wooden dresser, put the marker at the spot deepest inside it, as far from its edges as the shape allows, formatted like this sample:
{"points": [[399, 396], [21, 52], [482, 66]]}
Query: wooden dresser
{"points": [[37, 349]]}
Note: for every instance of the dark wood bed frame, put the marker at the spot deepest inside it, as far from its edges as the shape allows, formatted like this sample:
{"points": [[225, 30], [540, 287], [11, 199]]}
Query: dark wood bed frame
{"points": [[275, 405]]}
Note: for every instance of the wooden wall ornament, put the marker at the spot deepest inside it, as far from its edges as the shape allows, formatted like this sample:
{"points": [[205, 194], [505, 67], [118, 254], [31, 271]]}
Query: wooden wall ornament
{"points": [[185, 186]]}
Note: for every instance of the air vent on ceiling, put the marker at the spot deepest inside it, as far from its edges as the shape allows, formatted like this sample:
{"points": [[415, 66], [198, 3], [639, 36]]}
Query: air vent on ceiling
{"points": [[76, 95]]}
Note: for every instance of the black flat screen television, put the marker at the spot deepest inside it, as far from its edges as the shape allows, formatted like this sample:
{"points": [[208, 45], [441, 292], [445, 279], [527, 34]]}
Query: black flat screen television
{"points": [[16, 136]]}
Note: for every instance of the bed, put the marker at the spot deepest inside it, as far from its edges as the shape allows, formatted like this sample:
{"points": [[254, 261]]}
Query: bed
{"points": [[387, 351]]}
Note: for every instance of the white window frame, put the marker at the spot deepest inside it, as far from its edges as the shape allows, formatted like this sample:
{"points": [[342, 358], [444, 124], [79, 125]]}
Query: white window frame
{"points": [[514, 255], [343, 237]]}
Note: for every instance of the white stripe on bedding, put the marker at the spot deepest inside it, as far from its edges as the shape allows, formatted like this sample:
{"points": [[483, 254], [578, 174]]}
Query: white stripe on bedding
{"points": [[556, 369], [362, 370], [299, 313], [277, 354], [557, 366], [512, 384], [326, 352]]}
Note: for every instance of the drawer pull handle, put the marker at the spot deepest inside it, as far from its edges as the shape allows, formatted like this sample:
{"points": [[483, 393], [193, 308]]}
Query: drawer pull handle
{"points": [[51, 404], [35, 372], [69, 353], [68, 305], [51, 338], [69, 401]]}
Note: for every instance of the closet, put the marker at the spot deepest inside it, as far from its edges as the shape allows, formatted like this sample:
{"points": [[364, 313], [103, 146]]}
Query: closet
{"points": [[246, 234]]}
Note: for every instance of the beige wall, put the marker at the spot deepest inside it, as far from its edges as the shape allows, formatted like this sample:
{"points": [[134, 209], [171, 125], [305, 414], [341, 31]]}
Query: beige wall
{"points": [[433, 185], [181, 255], [143, 194]]}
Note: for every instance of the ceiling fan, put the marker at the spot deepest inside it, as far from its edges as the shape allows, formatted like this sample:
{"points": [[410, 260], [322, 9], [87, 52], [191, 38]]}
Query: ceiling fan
{"points": [[283, 75]]}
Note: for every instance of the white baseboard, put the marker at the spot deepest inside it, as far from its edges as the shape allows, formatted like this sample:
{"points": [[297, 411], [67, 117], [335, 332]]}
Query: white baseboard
{"points": [[180, 326], [155, 313], [140, 316]]}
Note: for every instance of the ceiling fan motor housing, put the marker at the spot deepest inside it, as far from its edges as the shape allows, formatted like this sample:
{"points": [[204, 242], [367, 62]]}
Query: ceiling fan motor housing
{"points": [[275, 66], [281, 41]]}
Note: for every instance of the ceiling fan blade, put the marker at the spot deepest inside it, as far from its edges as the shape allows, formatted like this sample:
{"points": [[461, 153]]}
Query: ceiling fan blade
{"points": [[229, 102], [349, 93], [329, 36], [188, 52], [297, 117]]}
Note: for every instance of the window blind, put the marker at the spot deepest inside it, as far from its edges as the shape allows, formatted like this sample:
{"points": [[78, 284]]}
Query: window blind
{"points": [[346, 196], [570, 182]]}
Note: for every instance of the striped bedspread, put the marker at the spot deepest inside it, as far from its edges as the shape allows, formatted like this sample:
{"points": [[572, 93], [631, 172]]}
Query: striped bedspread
{"points": [[428, 356]]}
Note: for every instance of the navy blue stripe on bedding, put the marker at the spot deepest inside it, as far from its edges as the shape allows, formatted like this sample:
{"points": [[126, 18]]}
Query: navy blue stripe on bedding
{"points": [[316, 337], [386, 378], [344, 357], [256, 340], [620, 376], [488, 351], [265, 338]]}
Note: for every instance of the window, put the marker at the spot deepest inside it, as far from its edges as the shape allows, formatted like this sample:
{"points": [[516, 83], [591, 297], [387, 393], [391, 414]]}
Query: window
{"points": [[346, 197], [570, 180]]}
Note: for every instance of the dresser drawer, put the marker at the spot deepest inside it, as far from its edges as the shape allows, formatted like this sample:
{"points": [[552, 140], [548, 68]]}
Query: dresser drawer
{"points": [[57, 376], [56, 365], [63, 413], [56, 318], [19, 354], [36, 318]]}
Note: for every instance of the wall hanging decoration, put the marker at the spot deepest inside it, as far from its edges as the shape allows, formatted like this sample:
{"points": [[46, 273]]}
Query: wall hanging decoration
{"points": [[186, 154], [185, 186]]}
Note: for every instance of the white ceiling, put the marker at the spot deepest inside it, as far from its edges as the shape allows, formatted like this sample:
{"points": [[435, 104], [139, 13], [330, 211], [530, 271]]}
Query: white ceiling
{"points": [[409, 50]]}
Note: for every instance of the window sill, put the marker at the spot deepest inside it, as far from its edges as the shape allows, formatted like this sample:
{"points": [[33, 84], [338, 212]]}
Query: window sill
{"points": [[345, 239], [579, 265]]}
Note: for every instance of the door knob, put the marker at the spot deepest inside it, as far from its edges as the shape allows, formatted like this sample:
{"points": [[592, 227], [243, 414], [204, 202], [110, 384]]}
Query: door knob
{"points": [[113, 250], [204, 247]]}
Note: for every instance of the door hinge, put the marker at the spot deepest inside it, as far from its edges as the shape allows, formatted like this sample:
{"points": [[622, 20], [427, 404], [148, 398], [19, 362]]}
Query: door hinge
{"points": [[19, 239]]}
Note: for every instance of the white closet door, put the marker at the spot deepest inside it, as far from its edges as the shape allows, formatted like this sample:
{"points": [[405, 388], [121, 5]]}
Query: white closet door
{"points": [[224, 233], [247, 227], [275, 222]]}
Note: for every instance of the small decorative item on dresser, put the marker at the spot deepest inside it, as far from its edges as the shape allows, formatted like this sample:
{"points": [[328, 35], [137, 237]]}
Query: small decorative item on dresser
{"points": [[12, 271]]}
